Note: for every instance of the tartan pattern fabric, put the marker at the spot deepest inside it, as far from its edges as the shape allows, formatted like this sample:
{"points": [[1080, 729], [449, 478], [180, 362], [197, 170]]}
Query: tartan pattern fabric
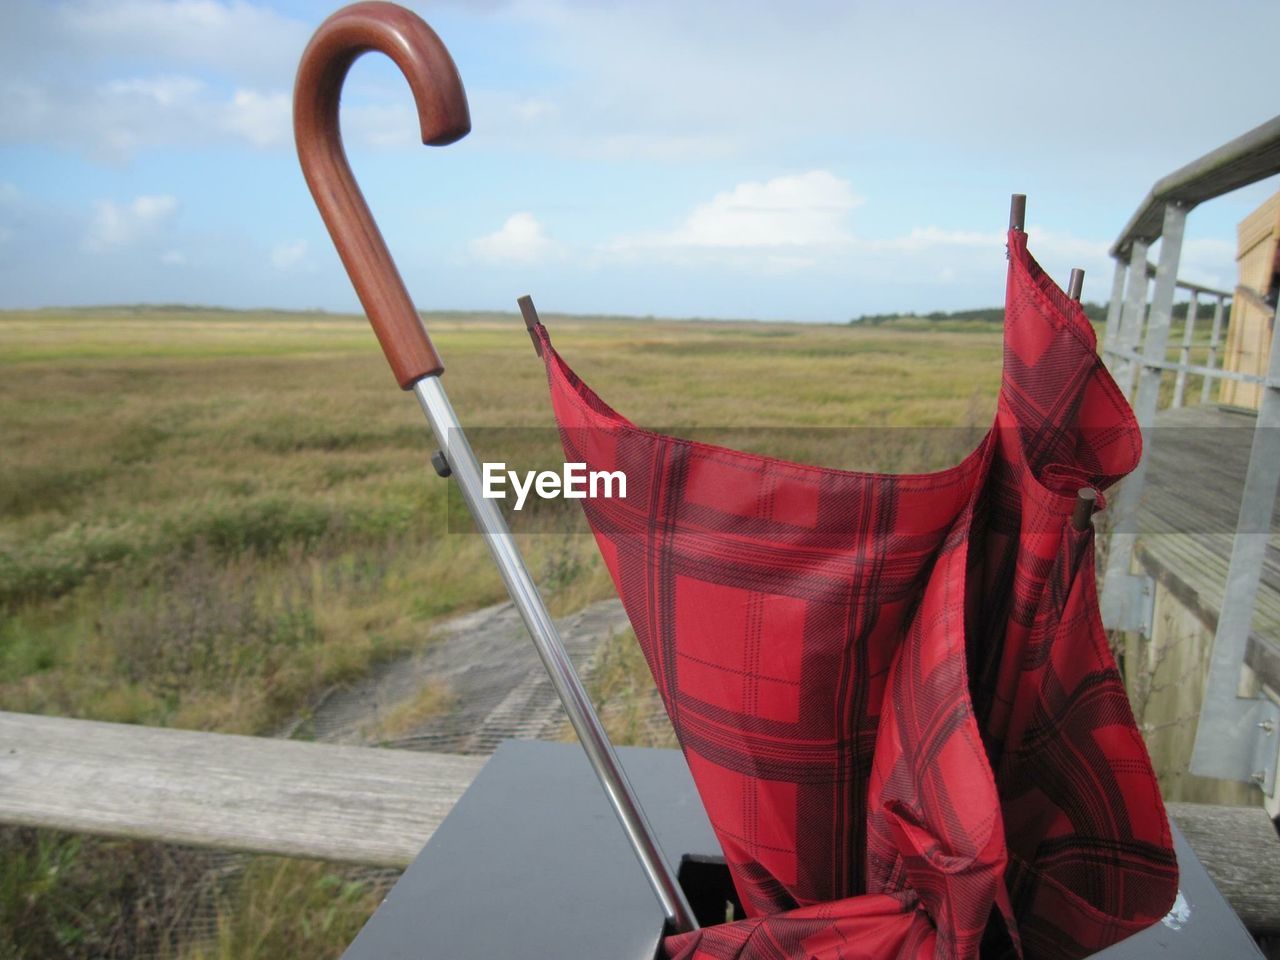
{"points": [[894, 691]]}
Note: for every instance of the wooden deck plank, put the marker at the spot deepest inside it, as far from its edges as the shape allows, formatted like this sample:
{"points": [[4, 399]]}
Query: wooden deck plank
{"points": [[1239, 848], [1200, 569], [1197, 459], [351, 804]]}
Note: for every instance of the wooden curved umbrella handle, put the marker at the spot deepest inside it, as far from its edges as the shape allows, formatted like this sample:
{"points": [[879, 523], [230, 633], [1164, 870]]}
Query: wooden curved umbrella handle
{"points": [[444, 118]]}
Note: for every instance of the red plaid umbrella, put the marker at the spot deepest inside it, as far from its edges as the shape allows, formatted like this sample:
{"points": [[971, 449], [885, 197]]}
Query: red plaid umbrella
{"points": [[894, 691]]}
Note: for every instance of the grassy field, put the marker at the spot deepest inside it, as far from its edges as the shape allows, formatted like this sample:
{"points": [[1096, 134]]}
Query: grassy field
{"points": [[207, 518]]}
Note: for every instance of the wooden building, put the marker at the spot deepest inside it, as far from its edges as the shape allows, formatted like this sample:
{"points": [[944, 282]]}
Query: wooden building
{"points": [[1252, 316]]}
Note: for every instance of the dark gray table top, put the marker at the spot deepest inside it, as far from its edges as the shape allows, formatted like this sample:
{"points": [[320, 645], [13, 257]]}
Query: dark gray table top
{"points": [[531, 864]]}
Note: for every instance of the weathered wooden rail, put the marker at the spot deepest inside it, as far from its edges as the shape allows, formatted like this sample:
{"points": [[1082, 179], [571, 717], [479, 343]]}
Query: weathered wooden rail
{"points": [[350, 804], [377, 807]]}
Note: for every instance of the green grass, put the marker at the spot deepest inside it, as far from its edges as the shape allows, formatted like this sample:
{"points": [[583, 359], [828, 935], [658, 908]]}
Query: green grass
{"points": [[290, 908], [64, 896], [207, 517], [630, 707]]}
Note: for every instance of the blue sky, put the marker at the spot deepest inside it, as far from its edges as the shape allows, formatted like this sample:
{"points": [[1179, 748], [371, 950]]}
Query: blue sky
{"points": [[806, 160]]}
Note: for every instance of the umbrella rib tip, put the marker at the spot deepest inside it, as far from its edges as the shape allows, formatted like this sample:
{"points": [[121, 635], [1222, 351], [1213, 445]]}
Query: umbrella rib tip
{"points": [[531, 320]]}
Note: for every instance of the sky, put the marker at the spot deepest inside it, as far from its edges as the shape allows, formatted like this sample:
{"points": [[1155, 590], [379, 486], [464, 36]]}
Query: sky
{"points": [[806, 160]]}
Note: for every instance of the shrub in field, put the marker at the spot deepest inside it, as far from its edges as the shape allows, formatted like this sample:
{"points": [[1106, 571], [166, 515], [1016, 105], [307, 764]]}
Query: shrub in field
{"points": [[261, 526], [65, 897], [42, 488], [293, 908], [58, 564]]}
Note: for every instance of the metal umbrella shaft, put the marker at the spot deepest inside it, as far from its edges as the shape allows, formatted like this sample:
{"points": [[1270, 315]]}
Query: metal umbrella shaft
{"points": [[546, 638]]}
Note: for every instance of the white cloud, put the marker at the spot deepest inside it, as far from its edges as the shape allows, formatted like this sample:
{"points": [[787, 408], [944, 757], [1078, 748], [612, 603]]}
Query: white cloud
{"points": [[165, 91], [115, 119], [668, 148], [1052, 243], [155, 208], [116, 226], [496, 109], [382, 124], [1210, 262], [246, 40], [804, 210], [185, 73], [264, 120], [287, 256], [927, 238], [173, 258], [534, 109], [804, 223], [788, 73], [520, 240], [579, 129]]}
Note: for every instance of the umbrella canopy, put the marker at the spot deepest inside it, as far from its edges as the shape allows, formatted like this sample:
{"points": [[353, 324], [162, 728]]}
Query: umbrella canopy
{"points": [[894, 691]]}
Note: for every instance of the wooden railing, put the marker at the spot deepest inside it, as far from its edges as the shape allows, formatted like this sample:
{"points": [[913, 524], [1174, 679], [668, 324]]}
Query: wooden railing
{"points": [[374, 806], [1237, 736], [1124, 358], [351, 804]]}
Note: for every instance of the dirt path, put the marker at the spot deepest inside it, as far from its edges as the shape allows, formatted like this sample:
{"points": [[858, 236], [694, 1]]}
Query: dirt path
{"points": [[496, 684]]}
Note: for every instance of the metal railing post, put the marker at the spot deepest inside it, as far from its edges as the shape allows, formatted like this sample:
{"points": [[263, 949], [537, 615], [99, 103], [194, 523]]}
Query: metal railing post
{"points": [[1236, 738], [1184, 357], [1117, 593], [1112, 328], [1215, 341], [1132, 313]]}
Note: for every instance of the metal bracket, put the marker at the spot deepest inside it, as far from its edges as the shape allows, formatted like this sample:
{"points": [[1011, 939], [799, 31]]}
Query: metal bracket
{"points": [[1137, 613], [1239, 740], [1266, 746]]}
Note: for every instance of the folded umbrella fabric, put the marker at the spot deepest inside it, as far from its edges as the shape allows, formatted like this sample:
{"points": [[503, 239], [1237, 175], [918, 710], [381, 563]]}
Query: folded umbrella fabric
{"points": [[894, 691]]}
